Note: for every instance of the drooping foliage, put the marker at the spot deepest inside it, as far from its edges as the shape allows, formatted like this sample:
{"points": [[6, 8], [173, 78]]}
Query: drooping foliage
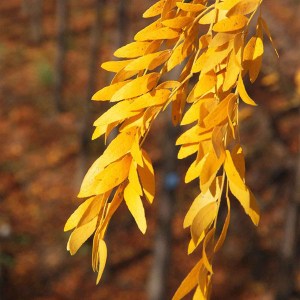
{"points": [[212, 44]]}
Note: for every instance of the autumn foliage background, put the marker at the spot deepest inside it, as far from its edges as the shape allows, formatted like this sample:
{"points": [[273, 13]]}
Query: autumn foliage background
{"points": [[42, 162]]}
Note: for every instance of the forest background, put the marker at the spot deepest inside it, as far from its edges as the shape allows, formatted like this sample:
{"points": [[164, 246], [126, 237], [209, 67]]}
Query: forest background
{"points": [[50, 56]]}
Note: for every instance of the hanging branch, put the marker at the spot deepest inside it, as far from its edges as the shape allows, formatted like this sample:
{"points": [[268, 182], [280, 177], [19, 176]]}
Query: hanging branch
{"points": [[211, 42]]}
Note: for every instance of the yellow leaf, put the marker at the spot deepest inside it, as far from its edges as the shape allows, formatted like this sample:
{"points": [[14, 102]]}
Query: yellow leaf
{"points": [[193, 135], [93, 210], [205, 40], [149, 61], [189, 283], [253, 57], [232, 72], [150, 28], [119, 146], [217, 139], [170, 84], [178, 105], [80, 235], [135, 206], [219, 114], [227, 4], [206, 259], [137, 87], [198, 295], [187, 150], [231, 24], [215, 56], [132, 50], [102, 253], [220, 39], [203, 220], [147, 180], [254, 68], [136, 152], [238, 187], [208, 18], [247, 200], [107, 92], [223, 234], [243, 93], [77, 214], [205, 84], [99, 130], [198, 65], [115, 66], [115, 150], [189, 7], [232, 172], [156, 32], [178, 22], [194, 170], [192, 114], [177, 57], [169, 5], [114, 174], [211, 166], [123, 75], [155, 97], [199, 202], [113, 205], [133, 178], [155, 9], [267, 31], [254, 49], [243, 7], [117, 113]]}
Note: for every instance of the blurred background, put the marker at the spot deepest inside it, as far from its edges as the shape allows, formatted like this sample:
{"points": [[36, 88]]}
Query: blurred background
{"points": [[50, 56]]}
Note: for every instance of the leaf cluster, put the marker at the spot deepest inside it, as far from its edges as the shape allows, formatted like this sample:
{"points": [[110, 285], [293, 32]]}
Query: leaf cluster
{"points": [[211, 43]]}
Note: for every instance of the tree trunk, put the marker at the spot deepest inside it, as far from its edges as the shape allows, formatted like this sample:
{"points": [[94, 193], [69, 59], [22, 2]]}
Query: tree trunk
{"points": [[34, 10], [289, 253], [158, 283], [61, 21], [95, 39]]}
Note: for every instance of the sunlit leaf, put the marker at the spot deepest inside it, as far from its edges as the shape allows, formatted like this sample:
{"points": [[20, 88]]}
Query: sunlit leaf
{"points": [[233, 23], [135, 206]]}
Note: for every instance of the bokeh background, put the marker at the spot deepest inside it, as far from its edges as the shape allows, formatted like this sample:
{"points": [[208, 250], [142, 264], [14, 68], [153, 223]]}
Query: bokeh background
{"points": [[50, 56]]}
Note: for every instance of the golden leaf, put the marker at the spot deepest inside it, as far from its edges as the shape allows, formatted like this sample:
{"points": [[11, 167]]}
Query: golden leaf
{"points": [[219, 114], [132, 50], [189, 283], [80, 235], [189, 7], [133, 178], [243, 93], [223, 234], [178, 22], [114, 174], [107, 92], [155, 9], [187, 150], [77, 214], [137, 87], [135, 206], [148, 61], [115, 66], [243, 7], [205, 84], [102, 253], [146, 174], [231, 24], [199, 202], [203, 220]]}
